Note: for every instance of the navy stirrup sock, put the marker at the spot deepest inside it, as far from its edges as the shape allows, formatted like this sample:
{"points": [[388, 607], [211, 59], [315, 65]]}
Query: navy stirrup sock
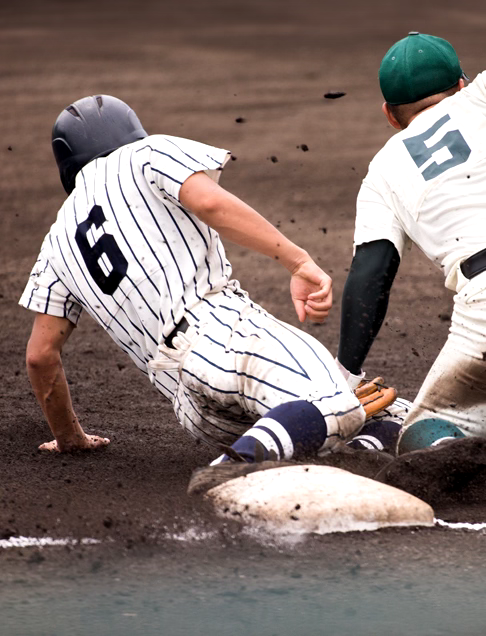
{"points": [[293, 427], [381, 435]]}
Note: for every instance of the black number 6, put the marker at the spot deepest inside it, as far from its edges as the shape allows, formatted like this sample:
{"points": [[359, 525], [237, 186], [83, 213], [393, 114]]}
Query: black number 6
{"points": [[91, 254]]}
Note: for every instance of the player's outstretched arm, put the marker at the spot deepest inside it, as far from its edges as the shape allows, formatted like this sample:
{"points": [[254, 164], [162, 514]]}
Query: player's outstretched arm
{"points": [[241, 224], [46, 374]]}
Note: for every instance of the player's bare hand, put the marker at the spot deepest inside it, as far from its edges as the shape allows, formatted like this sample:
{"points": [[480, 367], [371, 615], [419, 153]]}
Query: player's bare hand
{"points": [[311, 291], [89, 442]]}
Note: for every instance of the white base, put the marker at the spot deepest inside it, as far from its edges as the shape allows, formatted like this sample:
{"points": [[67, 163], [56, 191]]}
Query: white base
{"points": [[316, 499]]}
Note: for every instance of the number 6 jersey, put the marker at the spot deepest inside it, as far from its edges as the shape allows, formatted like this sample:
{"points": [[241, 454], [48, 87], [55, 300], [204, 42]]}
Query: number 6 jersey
{"points": [[428, 184], [124, 249]]}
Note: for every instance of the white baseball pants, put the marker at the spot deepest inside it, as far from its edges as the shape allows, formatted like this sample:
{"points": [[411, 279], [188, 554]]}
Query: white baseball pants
{"points": [[236, 362]]}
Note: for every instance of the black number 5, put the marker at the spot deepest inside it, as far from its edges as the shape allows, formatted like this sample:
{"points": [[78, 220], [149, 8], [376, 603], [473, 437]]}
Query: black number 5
{"points": [[91, 254], [453, 140]]}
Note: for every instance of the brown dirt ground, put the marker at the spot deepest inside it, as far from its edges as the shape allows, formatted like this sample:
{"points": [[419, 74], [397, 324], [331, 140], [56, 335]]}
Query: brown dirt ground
{"points": [[191, 69]]}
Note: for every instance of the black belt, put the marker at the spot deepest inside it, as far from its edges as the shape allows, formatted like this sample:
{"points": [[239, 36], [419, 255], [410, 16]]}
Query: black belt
{"points": [[182, 326], [474, 265]]}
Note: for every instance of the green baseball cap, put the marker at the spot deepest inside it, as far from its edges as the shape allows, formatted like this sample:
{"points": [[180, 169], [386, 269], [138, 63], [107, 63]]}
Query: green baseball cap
{"points": [[418, 66]]}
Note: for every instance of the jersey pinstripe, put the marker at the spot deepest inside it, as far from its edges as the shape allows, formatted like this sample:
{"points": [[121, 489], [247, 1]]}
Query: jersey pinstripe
{"points": [[124, 249]]}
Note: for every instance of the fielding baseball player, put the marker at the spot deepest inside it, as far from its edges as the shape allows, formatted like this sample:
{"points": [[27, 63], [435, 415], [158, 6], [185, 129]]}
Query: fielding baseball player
{"points": [[427, 185], [137, 245]]}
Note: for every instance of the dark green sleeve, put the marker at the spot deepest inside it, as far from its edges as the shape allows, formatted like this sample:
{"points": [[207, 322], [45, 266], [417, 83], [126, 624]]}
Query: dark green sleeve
{"points": [[365, 300]]}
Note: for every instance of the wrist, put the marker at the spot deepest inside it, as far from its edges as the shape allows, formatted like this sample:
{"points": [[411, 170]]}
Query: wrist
{"points": [[73, 443], [71, 440], [296, 259]]}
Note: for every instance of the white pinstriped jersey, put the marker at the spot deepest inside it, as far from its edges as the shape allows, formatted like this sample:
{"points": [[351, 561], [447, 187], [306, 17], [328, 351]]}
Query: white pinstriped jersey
{"points": [[428, 184], [124, 249]]}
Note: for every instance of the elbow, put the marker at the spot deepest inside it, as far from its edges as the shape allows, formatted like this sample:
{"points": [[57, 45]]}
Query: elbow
{"points": [[209, 206], [375, 260]]}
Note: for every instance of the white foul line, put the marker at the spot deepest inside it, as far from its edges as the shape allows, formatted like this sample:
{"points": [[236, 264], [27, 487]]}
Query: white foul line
{"points": [[460, 526], [41, 542]]}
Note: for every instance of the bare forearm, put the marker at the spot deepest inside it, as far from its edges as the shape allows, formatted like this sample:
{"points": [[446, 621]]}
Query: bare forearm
{"points": [[241, 224], [238, 222], [46, 374], [52, 392]]}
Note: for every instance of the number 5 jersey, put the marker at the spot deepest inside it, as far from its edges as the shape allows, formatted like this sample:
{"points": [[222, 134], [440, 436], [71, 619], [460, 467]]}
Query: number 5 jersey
{"points": [[428, 184]]}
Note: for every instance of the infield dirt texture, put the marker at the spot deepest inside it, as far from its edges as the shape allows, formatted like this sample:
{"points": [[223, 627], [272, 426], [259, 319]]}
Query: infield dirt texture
{"points": [[249, 76]]}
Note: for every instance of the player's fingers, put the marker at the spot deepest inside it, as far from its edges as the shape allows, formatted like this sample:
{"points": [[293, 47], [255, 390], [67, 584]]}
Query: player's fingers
{"points": [[95, 441], [319, 295], [323, 292], [90, 442], [317, 310], [299, 306], [50, 446], [317, 316], [323, 305]]}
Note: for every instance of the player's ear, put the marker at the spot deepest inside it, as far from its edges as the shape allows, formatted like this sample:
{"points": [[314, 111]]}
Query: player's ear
{"points": [[389, 115], [461, 84]]}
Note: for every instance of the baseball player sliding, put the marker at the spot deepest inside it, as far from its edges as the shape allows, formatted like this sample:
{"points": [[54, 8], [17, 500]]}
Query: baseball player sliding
{"points": [[427, 185], [137, 245]]}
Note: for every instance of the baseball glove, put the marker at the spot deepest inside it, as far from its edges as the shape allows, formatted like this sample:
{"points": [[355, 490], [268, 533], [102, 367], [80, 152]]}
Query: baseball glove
{"points": [[375, 396]]}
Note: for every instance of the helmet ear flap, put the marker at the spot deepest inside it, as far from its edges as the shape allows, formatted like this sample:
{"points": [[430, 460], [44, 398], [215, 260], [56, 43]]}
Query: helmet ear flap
{"points": [[64, 159]]}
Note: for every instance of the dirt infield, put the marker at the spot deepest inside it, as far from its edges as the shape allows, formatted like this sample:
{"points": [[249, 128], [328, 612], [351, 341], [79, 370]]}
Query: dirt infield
{"points": [[248, 76]]}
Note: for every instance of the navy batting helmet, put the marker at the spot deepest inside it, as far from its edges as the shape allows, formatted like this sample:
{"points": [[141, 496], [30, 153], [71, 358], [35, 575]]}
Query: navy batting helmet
{"points": [[89, 128]]}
